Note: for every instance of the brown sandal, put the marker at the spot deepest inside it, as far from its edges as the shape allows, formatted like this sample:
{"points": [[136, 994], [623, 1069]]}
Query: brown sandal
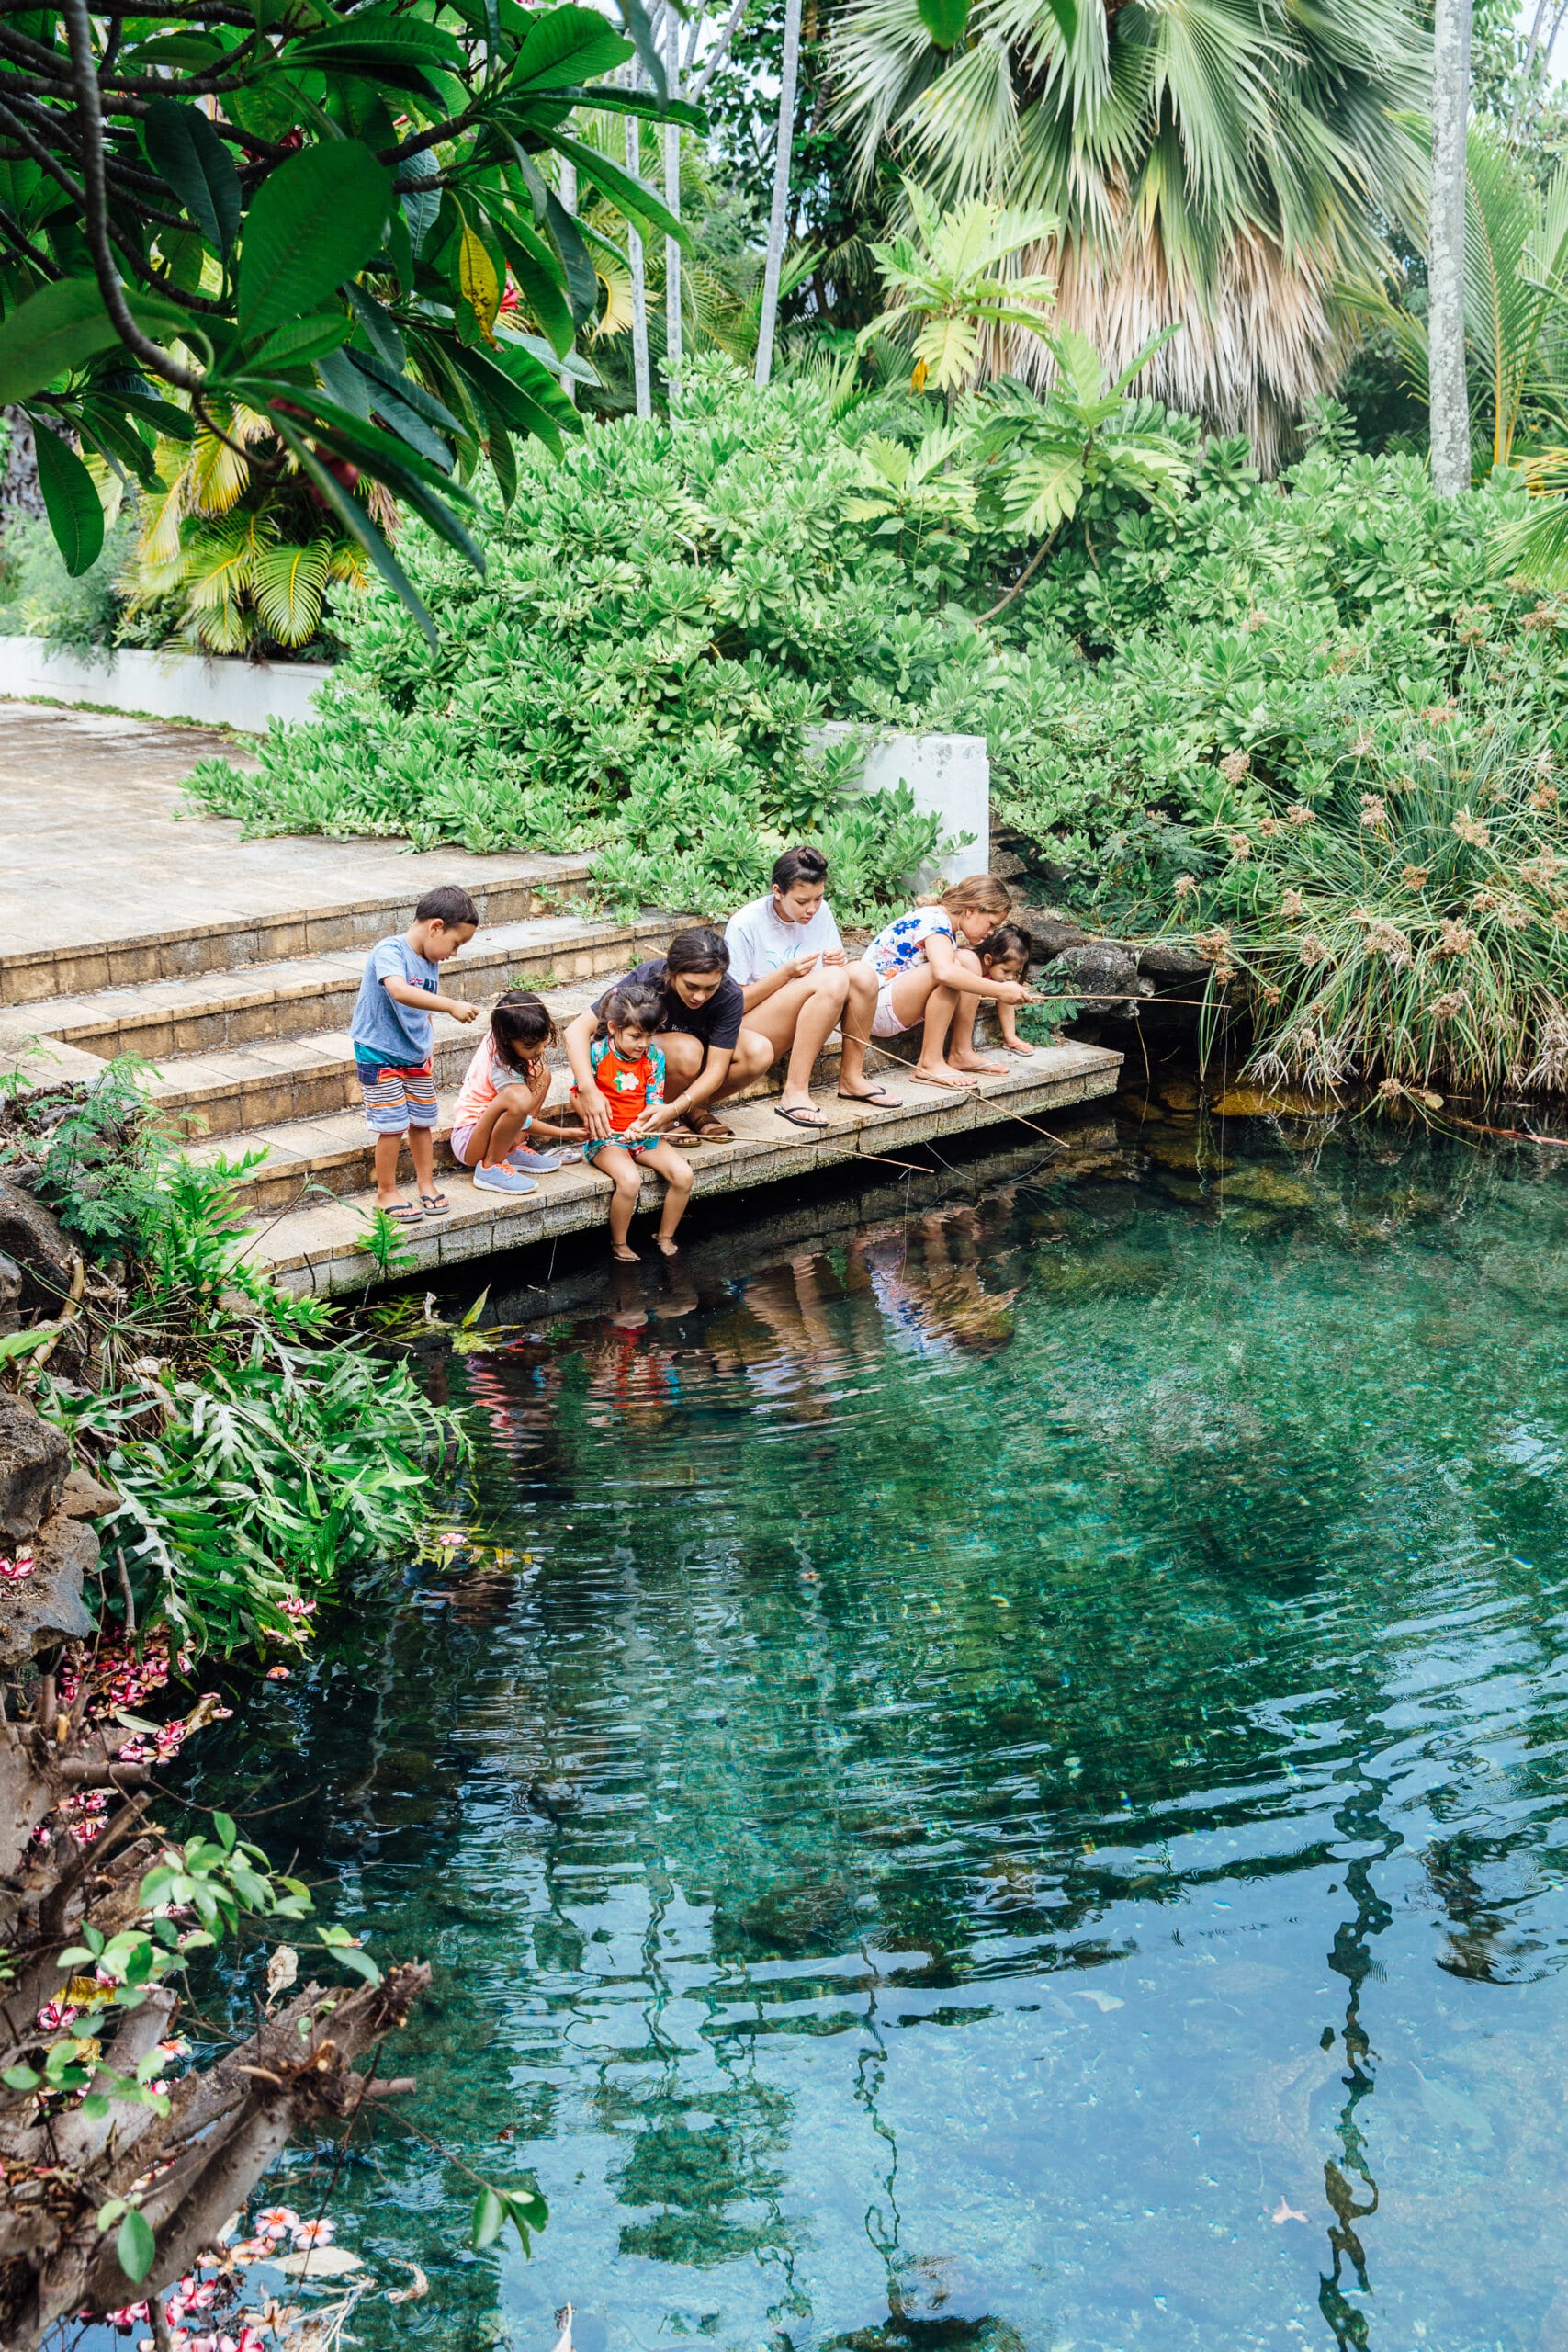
{"points": [[706, 1128]]}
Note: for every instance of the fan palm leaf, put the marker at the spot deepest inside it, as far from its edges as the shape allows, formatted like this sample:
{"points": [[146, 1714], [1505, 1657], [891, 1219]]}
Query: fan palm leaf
{"points": [[1221, 164]]}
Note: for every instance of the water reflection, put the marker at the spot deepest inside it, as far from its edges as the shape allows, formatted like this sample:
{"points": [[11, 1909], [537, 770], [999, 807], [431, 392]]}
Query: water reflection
{"points": [[994, 1778]]}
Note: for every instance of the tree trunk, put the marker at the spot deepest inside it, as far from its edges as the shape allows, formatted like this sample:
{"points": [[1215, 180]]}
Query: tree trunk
{"points": [[1449, 402], [639, 287], [778, 219], [568, 192], [672, 190], [19, 491]]}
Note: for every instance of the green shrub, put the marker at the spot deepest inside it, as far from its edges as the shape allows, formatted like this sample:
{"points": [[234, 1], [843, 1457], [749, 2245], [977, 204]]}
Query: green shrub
{"points": [[80, 616], [667, 611], [1280, 619], [261, 1449]]}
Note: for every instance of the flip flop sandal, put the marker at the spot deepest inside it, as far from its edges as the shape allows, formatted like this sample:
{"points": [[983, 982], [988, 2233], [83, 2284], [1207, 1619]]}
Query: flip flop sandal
{"points": [[405, 1213], [713, 1131], [879, 1099], [434, 1204], [802, 1119]]}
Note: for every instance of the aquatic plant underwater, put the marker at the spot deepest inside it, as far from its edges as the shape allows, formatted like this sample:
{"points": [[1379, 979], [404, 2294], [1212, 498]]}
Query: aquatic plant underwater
{"points": [[989, 1779]]}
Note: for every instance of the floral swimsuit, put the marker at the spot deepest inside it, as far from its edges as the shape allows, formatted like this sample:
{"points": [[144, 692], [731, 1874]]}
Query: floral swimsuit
{"points": [[630, 1089]]}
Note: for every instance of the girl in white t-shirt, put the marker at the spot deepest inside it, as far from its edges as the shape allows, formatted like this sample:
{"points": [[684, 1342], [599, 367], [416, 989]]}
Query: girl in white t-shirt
{"points": [[799, 986], [928, 971]]}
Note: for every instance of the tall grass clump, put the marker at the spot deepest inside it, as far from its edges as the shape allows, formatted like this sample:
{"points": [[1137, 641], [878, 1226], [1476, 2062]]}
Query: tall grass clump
{"points": [[1407, 922]]}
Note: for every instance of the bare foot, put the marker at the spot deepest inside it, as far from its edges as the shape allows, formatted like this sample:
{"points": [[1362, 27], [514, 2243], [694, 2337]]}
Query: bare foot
{"points": [[976, 1062], [626, 1256], [662, 1242], [941, 1075]]}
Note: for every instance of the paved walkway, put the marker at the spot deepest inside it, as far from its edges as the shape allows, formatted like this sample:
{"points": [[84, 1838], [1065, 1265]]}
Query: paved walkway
{"points": [[101, 846]]}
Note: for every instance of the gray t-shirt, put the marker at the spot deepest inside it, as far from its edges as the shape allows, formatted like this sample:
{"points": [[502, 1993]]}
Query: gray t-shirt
{"points": [[385, 1032]]}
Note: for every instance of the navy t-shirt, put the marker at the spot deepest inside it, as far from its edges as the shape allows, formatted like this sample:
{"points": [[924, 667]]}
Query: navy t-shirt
{"points": [[717, 1023]]}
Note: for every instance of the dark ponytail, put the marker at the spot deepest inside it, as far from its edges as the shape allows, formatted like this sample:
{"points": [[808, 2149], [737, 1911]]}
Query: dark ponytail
{"points": [[520, 1029], [632, 1005], [1007, 940], [697, 949]]}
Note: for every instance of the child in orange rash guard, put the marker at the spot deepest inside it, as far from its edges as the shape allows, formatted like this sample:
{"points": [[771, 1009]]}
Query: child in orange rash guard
{"points": [[628, 1071]]}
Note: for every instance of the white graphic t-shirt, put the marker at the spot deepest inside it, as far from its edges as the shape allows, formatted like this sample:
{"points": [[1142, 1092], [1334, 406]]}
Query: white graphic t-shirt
{"points": [[761, 942]]}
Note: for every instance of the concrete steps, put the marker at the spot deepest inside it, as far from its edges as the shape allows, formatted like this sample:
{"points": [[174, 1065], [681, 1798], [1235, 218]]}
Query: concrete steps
{"points": [[320, 1248], [242, 1030], [39, 976], [166, 1021]]}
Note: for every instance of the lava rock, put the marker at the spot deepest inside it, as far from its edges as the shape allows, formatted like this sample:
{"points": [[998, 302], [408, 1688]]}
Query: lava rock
{"points": [[34, 1459], [1167, 962], [82, 1497], [34, 1238], [1050, 935], [45, 1607], [10, 1292]]}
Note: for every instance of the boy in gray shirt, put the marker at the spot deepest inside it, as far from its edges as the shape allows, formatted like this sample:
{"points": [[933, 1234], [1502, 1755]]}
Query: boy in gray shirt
{"points": [[393, 1038]]}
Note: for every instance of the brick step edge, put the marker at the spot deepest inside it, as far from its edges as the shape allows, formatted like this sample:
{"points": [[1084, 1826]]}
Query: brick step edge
{"points": [[232, 945]]}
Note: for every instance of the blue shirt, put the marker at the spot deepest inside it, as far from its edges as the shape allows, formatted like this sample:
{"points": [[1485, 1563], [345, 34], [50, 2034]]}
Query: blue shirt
{"points": [[385, 1033]]}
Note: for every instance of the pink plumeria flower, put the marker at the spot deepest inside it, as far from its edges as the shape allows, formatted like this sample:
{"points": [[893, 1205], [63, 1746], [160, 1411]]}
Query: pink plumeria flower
{"points": [[277, 1674], [315, 2234], [276, 2220]]}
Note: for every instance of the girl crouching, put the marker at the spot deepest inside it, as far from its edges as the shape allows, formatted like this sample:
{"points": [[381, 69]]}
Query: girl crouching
{"points": [[503, 1092]]}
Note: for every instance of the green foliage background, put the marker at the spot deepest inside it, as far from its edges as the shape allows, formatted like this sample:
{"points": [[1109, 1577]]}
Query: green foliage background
{"points": [[672, 606]]}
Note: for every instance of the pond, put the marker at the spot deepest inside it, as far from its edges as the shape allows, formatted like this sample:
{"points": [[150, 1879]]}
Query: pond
{"points": [[989, 1770]]}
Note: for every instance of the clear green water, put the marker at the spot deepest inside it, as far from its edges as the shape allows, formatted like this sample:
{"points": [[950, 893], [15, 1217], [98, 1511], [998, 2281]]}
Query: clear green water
{"points": [[1017, 1797]]}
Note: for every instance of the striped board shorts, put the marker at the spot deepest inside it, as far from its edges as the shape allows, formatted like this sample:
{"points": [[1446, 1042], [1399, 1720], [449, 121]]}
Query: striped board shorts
{"points": [[396, 1100]]}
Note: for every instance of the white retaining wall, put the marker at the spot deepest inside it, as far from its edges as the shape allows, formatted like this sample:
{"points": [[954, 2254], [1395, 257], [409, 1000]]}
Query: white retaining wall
{"points": [[244, 694], [948, 775]]}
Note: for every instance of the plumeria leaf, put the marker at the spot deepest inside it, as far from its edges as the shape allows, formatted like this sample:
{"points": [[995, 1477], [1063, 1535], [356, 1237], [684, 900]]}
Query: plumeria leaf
{"points": [[490, 2219], [136, 2247]]}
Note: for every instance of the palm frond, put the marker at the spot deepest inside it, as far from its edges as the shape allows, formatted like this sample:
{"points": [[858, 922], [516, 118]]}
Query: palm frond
{"points": [[1222, 164], [287, 583]]}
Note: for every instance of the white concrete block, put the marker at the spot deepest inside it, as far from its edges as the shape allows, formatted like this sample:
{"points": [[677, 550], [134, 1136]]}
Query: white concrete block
{"points": [[216, 692], [948, 775]]}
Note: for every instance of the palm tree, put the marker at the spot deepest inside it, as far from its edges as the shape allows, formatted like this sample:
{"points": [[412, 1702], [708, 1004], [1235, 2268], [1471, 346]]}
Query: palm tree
{"points": [[641, 374], [1220, 164], [1447, 407], [672, 190], [1514, 314]]}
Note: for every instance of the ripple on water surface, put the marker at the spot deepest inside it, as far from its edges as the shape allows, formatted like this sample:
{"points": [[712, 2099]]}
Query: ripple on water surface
{"points": [[998, 1781]]}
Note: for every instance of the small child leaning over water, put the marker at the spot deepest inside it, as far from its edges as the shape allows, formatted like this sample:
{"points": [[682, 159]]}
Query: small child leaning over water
{"points": [[623, 1119], [504, 1093], [1006, 955]]}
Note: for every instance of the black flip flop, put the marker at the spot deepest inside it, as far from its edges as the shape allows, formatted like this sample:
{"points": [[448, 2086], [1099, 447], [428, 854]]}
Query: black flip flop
{"points": [[879, 1099], [802, 1119]]}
